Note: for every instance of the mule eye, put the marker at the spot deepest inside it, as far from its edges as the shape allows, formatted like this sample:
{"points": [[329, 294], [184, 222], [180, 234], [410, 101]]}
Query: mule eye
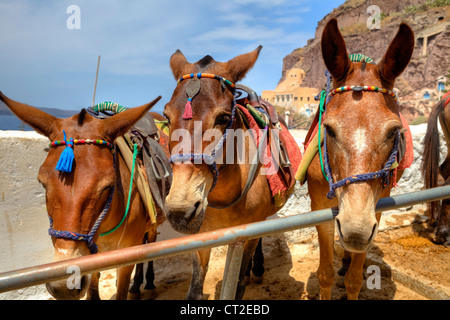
{"points": [[42, 184], [168, 120], [106, 189], [330, 132], [222, 120], [392, 133]]}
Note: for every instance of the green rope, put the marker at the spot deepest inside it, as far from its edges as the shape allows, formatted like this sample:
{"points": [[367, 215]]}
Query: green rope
{"points": [[323, 96], [109, 106], [358, 57], [135, 153], [260, 121]]}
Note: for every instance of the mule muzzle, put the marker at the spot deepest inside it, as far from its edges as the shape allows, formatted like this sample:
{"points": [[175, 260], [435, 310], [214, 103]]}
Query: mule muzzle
{"points": [[69, 289], [186, 218], [356, 239]]}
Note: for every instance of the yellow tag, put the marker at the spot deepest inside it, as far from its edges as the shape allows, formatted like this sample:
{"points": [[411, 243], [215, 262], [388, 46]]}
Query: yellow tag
{"points": [[394, 165], [162, 125]]}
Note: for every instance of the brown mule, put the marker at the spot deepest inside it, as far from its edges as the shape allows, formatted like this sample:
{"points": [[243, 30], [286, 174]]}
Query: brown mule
{"points": [[435, 174], [361, 129], [75, 199], [199, 200]]}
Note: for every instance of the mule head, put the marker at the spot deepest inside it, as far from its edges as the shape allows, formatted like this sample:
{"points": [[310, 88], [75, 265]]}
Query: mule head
{"points": [[361, 128], [211, 112], [75, 199]]}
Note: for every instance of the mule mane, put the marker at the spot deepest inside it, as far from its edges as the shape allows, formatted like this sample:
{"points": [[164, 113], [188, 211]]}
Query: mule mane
{"points": [[363, 65], [204, 62], [81, 116]]}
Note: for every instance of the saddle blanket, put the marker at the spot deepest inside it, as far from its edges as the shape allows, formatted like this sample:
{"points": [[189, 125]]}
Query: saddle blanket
{"points": [[280, 188]]}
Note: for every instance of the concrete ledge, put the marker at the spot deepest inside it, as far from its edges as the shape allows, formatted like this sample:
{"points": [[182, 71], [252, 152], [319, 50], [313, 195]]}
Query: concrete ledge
{"points": [[23, 216]]}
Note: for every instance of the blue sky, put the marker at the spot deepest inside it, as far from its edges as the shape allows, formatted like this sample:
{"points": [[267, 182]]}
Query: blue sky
{"points": [[45, 64]]}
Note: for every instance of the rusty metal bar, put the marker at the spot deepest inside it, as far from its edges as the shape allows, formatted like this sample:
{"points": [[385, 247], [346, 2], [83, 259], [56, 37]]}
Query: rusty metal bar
{"points": [[31, 276]]}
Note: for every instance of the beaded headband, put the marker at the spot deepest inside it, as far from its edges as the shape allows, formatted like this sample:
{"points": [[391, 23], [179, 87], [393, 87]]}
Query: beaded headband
{"points": [[194, 87], [206, 75], [71, 142], [364, 88], [66, 158]]}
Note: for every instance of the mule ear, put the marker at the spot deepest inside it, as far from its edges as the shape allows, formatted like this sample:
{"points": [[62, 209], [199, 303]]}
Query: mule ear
{"points": [[334, 51], [40, 121], [398, 54], [240, 65], [178, 62], [120, 123]]}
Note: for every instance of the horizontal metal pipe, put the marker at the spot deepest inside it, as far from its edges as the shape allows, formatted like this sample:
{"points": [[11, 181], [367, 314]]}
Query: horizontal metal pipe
{"points": [[413, 198], [161, 249], [31, 276]]}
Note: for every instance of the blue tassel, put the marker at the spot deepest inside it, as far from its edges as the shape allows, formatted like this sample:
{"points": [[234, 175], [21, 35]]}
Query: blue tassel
{"points": [[66, 159]]}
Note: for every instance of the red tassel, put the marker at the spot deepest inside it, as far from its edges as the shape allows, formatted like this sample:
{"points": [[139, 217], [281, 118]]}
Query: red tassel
{"points": [[187, 115], [394, 178]]}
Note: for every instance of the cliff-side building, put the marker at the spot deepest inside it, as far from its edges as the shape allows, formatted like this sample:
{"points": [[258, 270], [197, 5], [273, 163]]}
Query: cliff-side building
{"points": [[290, 95]]}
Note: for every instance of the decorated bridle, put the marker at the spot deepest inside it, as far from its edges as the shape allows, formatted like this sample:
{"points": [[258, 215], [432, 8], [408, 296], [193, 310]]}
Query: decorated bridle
{"points": [[65, 164], [191, 91], [384, 173]]}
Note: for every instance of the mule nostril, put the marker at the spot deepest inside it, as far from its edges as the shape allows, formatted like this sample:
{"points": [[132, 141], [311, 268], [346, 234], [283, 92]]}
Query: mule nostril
{"points": [[374, 230], [85, 281], [339, 227], [190, 214]]}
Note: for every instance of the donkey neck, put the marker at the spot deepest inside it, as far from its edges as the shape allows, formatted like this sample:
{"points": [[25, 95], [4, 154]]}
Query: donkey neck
{"points": [[233, 176], [118, 205]]}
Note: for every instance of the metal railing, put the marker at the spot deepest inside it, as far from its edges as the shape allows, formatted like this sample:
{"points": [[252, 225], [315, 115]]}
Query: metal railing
{"points": [[234, 237]]}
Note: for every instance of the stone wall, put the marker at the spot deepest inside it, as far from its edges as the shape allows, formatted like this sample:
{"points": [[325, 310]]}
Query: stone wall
{"points": [[24, 241]]}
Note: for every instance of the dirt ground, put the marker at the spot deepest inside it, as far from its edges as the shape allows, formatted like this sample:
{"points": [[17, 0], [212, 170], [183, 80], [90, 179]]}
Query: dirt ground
{"points": [[412, 268]]}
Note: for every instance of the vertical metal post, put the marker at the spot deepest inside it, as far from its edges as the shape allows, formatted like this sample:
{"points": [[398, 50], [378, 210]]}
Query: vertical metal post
{"points": [[232, 269], [96, 78]]}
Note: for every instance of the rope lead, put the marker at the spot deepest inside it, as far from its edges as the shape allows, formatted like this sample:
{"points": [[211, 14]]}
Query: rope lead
{"points": [[135, 153]]}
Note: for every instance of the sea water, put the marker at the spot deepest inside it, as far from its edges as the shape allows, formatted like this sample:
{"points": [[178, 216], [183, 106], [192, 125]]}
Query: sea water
{"points": [[11, 122]]}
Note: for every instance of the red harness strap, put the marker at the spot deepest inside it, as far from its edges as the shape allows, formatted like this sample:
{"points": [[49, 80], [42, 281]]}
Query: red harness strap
{"points": [[280, 191], [446, 96]]}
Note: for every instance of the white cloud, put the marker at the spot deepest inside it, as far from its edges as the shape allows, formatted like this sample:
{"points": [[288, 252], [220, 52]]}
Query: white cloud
{"points": [[130, 36], [263, 3], [240, 32]]}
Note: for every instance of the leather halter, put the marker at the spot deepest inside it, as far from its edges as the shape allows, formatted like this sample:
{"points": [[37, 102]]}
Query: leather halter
{"points": [[209, 159], [89, 237], [383, 173]]}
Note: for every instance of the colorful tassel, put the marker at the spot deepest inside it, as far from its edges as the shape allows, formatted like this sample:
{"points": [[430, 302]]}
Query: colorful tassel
{"points": [[66, 159], [187, 115]]}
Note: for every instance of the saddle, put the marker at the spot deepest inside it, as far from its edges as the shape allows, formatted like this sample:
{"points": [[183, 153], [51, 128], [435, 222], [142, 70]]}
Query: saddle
{"points": [[260, 113], [153, 162], [154, 158]]}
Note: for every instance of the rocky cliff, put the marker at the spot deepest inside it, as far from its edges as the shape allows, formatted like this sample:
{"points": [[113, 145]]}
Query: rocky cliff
{"points": [[422, 15]]}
